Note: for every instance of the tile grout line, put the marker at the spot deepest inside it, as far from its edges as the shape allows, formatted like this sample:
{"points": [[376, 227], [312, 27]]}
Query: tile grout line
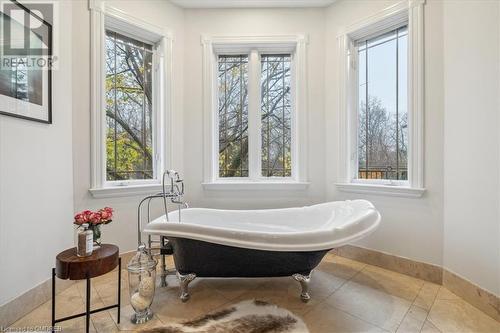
{"points": [[346, 281], [352, 277], [351, 314], [108, 311], [411, 305], [412, 302], [357, 317], [82, 299], [100, 299], [429, 311], [334, 291], [323, 300]]}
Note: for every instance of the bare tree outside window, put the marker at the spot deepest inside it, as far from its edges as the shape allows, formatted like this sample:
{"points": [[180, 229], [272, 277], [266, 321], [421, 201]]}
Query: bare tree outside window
{"points": [[233, 116], [276, 112], [383, 116], [129, 139]]}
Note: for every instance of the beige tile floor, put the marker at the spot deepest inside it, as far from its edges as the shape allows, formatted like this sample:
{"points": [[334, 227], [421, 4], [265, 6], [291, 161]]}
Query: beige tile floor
{"points": [[347, 296]]}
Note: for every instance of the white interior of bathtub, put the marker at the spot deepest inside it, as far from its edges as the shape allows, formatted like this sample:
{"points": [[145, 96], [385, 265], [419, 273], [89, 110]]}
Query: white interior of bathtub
{"points": [[311, 228]]}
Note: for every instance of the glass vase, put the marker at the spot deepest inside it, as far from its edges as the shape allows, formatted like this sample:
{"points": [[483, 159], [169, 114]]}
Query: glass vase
{"points": [[142, 284], [96, 229]]}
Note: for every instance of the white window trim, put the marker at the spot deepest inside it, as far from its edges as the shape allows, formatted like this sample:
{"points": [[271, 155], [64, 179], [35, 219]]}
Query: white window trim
{"points": [[212, 45], [104, 16], [410, 11]]}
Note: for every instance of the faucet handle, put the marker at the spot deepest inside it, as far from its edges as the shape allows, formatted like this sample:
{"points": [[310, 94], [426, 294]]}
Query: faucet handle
{"points": [[172, 174]]}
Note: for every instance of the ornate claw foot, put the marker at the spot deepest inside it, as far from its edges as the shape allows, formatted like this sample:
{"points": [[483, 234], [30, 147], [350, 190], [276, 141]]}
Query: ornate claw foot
{"points": [[184, 281], [304, 283]]}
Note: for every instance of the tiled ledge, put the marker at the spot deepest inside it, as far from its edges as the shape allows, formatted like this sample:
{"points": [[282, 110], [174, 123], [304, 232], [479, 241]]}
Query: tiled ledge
{"points": [[473, 294], [420, 270], [30, 300]]}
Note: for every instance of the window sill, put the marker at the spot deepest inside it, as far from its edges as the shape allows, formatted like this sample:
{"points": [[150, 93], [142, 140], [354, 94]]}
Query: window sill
{"points": [[125, 191], [388, 190], [218, 186]]}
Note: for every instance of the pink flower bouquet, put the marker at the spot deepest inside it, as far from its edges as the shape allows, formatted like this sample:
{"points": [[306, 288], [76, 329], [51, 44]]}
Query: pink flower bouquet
{"points": [[95, 220], [102, 216]]}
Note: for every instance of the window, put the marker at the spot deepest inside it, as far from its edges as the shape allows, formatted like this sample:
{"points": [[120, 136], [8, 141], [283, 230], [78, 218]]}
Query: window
{"points": [[131, 103], [381, 127], [274, 85], [233, 116], [255, 111], [129, 108], [382, 106], [275, 113]]}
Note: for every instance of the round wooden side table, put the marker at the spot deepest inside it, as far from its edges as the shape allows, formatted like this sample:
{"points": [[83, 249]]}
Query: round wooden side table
{"points": [[72, 267]]}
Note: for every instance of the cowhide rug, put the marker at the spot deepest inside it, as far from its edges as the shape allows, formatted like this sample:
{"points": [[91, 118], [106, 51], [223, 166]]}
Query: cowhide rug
{"points": [[250, 316]]}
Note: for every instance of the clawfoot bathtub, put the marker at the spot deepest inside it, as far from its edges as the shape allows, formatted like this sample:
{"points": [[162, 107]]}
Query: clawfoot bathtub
{"points": [[261, 243]]}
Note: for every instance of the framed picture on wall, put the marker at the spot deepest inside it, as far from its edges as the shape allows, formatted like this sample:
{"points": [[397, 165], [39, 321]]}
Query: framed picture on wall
{"points": [[26, 61]]}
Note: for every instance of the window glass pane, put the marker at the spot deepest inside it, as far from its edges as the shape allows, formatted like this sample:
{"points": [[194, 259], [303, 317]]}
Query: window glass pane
{"points": [[233, 115], [276, 115], [129, 140], [403, 103], [362, 114], [382, 98]]}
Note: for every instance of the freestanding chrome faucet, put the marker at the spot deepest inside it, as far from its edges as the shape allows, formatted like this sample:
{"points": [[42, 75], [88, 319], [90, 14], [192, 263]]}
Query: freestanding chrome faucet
{"points": [[175, 194], [173, 191]]}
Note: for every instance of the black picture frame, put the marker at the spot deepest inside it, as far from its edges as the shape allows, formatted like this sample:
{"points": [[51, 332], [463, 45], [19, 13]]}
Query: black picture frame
{"points": [[48, 119]]}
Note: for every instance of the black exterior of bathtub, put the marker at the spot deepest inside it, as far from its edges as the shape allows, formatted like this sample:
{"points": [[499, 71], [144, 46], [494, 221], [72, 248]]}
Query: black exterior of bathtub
{"points": [[213, 260]]}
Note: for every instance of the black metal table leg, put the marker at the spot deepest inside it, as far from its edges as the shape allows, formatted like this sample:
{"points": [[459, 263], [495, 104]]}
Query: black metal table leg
{"points": [[53, 319], [87, 312], [119, 287], [87, 307]]}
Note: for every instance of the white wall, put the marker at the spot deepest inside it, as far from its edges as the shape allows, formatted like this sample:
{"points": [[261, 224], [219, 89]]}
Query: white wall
{"points": [[411, 228], [252, 22], [471, 146], [36, 183], [122, 231]]}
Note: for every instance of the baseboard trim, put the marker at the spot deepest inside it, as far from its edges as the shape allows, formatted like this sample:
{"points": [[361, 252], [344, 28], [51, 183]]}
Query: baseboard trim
{"points": [[23, 304], [420, 270], [482, 299], [18, 307]]}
